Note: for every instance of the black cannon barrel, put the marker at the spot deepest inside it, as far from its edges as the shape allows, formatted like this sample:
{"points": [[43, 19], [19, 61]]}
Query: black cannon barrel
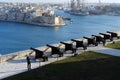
{"points": [[91, 41], [36, 50], [98, 38], [51, 46], [106, 36], [113, 34], [39, 54], [55, 50], [68, 46], [96, 35], [78, 43], [64, 43], [74, 40], [87, 37]]}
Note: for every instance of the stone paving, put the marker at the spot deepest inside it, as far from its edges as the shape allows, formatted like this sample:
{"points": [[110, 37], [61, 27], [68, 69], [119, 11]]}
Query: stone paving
{"points": [[19, 65]]}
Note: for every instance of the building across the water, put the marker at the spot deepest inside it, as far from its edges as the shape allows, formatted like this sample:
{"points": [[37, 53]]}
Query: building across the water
{"points": [[30, 13], [82, 8], [77, 7]]}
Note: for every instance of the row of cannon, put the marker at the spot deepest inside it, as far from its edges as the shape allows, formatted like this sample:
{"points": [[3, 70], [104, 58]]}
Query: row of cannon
{"points": [[94, 40]]}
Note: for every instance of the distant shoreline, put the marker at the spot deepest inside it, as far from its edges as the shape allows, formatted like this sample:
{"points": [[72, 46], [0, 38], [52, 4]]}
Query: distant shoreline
{"points": [[33, 23]]}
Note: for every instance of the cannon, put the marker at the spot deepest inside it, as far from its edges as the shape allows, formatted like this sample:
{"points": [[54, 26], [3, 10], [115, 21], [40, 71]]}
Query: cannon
{"points": [[98, 38], [69, 46], [106, 36], [39, 54], [55, 50], [113, 34], [91, 41], [79, 44]]}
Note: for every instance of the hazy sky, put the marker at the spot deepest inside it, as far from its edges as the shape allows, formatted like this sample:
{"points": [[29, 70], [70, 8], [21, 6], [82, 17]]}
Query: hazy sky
{"points": [[111, 1]]}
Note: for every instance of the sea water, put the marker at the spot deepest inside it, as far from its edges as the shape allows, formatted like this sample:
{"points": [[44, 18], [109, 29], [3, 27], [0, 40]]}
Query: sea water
{"points": [[16, 36]]}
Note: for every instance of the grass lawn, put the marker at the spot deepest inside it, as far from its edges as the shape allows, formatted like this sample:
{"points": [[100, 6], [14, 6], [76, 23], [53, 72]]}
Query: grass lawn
{"points": [[86, 66], [115, 46]]}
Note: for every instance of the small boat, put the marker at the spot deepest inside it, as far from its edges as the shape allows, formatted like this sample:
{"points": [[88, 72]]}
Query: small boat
{"points": [[79, 13], [66, 18]]}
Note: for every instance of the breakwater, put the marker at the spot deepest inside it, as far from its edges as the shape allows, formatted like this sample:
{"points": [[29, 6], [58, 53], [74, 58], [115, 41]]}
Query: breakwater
{"points": [[86, 41]]}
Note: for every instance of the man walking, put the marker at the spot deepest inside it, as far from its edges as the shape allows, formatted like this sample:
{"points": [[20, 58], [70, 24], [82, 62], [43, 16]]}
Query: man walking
{"points": [[28, 63]]}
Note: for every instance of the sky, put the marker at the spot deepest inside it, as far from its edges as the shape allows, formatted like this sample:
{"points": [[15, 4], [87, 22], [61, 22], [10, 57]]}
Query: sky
{"points": [[59, 1]]}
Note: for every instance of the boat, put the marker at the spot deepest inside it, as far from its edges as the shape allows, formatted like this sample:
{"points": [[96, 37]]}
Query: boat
{"points": [[79, 13], [66, 18], [77, 8]]}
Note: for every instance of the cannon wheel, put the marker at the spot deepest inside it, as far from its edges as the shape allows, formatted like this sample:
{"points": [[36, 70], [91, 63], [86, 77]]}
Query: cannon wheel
{"points": [[96, 44]]}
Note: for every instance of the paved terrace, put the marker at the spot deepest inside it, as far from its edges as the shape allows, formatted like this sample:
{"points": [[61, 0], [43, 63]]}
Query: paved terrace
{"points": [[17, 66]]}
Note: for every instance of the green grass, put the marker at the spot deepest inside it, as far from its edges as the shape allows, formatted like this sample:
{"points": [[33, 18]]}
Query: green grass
{"points": [[86, 66], [115, 46]]}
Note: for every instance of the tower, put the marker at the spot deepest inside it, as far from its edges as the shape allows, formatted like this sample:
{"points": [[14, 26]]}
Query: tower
{"points": [[78, 4], [73, 5], [101, 7]]}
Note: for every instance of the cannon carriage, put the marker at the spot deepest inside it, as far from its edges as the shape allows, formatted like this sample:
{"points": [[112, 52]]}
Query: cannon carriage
{"points": [[39, 54], [106, 36], [79, 44], [55, 50], [91, 41], [69, 46], [98, 38], [113, 35]]}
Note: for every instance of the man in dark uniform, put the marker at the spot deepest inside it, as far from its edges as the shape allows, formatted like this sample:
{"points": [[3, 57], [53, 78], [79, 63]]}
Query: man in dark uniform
{"points": [[28, 63]]}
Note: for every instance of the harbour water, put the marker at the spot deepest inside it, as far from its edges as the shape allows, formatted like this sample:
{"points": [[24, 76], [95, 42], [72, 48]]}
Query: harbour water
{"points": [[16, 37]]}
